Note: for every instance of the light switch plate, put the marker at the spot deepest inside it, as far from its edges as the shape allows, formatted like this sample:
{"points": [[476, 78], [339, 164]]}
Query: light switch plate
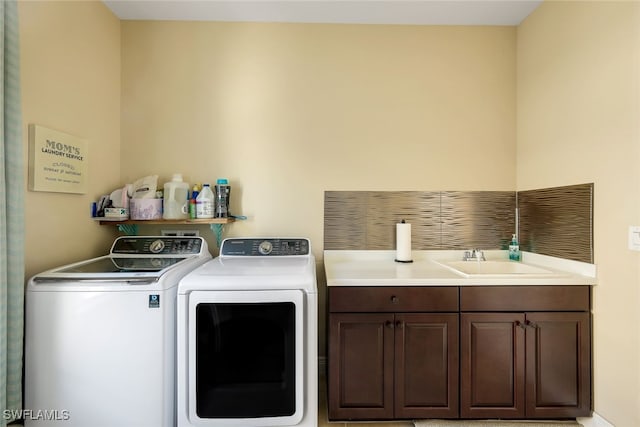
{"points": [[634, 237]]}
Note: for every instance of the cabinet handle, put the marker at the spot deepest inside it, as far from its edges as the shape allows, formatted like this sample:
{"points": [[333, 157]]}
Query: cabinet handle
{"points": [[389, 324], [398, 324], [530, 324], [517, 323], [394, 299]]}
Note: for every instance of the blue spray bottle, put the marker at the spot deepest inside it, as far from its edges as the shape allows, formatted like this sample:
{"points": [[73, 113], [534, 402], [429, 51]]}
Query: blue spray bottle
{"points": [[514, 249]]}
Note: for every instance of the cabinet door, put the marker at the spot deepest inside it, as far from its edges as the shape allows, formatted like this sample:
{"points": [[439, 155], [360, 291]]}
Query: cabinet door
{"points": [[558, 365], [426, 366], [360, 366], [492, 365]]}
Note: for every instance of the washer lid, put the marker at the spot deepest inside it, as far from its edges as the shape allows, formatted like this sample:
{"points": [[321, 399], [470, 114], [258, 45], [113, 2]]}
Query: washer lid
{"points": [[114, 268], [122, 265]]}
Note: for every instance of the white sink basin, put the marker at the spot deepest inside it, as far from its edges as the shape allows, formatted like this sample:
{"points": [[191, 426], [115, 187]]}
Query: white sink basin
{"points": [[497, 269]]}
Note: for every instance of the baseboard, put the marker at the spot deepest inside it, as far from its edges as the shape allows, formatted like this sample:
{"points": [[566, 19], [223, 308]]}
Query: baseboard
{"points": [[594, 421]]}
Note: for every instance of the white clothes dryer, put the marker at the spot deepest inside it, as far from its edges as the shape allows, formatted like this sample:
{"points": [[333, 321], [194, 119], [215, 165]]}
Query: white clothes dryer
{"points": [[100, 336], [247, 337]]}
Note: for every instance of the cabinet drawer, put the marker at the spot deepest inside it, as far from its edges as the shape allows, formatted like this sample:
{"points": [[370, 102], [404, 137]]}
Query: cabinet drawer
{"points": [[393, 299], [525, 298]]}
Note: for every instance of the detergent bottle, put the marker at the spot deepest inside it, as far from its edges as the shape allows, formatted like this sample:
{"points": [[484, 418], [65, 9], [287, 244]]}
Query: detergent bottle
{"points": [[176, 198]]}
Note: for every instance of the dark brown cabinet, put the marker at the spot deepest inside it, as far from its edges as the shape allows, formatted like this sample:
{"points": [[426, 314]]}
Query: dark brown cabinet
{"points": [[360, 366], [491, 366], [459, 352], [525, 364], [387, 361], [426, 365]]}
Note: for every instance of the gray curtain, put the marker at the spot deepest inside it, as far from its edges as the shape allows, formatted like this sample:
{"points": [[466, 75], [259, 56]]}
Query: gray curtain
{"points": [[11, 218]]}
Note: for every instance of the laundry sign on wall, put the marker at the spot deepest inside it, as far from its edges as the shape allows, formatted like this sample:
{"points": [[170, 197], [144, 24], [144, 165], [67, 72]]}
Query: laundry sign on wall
{"points": [[57, 161]]}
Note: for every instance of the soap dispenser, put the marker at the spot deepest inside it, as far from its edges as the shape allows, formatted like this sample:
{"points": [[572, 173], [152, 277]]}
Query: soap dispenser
{"points": [[514, 249]]}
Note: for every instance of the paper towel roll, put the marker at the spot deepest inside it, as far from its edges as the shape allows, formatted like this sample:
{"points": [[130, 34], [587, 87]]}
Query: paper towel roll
{"points": [[403, 242]]}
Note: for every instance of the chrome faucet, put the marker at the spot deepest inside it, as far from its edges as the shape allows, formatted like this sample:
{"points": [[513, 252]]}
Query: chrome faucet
{"points": [[473, 255]]}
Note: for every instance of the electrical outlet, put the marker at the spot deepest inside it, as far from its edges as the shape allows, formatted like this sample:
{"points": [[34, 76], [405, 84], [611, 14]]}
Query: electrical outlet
{"points": [[634, 238]]}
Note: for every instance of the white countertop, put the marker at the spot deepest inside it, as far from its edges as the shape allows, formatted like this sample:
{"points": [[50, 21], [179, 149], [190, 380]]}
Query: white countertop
{"points": [[429, 268]]}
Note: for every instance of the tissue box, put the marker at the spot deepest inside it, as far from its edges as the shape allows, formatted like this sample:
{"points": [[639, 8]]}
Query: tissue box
{"points": [[117, 213], [145, 208]]}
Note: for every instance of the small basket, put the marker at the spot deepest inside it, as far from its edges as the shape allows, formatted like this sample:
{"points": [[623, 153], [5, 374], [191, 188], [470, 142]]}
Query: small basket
{"points": [[145, 209]]}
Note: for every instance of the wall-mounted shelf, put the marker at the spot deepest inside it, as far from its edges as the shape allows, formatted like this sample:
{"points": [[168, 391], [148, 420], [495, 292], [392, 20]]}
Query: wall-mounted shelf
{"points": [[168, 221], [130, 226]]}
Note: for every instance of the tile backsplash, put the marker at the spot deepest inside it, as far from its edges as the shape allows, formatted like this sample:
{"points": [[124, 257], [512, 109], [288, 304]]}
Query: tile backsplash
{"points": [[439, 219], [556, 221]]}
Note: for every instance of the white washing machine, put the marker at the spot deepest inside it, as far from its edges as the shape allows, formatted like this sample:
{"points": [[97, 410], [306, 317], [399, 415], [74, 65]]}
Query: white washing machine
{"points": [[247, 337], [100, 336]]}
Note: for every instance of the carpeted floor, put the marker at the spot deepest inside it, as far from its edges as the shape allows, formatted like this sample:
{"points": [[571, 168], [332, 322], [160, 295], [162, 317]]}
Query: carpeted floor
{"points": [[494, 423]]}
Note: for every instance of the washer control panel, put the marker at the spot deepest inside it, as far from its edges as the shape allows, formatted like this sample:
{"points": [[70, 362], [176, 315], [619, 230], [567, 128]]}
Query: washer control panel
{"points": [[265, 247], [138, 245]]}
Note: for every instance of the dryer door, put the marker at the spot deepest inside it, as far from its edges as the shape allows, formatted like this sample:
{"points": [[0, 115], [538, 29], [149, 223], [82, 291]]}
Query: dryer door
{"points": [[245, 357]]}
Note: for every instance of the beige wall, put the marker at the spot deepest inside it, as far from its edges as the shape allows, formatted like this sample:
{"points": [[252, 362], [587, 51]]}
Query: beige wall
{"points": [[287, 111], [70, 79], [578, 121]]}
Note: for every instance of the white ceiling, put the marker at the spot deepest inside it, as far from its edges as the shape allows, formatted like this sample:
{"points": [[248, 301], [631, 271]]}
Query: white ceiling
{"points": [[415, 12]]}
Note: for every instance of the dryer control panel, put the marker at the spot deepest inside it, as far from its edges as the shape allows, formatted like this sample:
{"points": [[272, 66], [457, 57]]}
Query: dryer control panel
{"points": [[265, 247]]}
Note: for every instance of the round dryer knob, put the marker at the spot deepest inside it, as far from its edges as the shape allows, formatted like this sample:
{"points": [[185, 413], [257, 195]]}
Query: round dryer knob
{"points": [[265, 247], [156, 246]]}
